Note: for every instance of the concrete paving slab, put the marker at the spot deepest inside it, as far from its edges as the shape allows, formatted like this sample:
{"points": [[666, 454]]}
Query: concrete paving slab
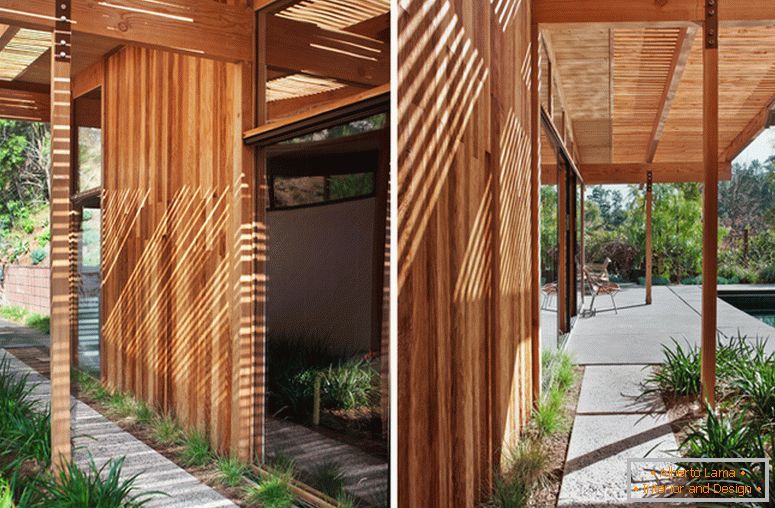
{"points": [[596, 466], [616, 389]]}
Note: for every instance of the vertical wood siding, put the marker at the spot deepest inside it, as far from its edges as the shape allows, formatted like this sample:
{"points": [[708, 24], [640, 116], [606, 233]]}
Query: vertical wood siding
{"points": [[173, 209], [464, 369]]}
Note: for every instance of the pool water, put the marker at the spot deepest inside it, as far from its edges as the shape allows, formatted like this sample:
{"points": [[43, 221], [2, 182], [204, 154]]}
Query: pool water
{"points": [[768, 316], [759, 304]]}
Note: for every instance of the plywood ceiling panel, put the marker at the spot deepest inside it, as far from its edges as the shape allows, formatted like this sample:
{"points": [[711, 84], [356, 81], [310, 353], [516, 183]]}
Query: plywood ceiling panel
{"points": [[641, 69], [746, 85], [614, 82], [21, 50], [584, 62]]}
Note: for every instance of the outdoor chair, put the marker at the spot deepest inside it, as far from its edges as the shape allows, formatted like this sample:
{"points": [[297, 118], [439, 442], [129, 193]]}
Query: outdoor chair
{"points": [[598, 286], [549, 290], [600, 269]]}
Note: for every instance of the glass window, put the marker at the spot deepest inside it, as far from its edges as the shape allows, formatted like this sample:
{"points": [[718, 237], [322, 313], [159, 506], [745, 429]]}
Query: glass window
{"points": [[89, 158], [87, 111]]}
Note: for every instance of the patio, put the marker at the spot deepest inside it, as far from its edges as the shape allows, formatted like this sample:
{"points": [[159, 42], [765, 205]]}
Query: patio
{"points": [[636, 334], [618, 350]]}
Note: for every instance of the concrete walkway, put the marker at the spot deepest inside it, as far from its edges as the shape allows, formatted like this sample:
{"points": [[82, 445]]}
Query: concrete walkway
{"points": [[611, 426], [618, 351], [96, 436]]}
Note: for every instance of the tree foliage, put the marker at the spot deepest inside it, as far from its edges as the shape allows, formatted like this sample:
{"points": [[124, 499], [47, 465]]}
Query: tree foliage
{"points": [[616, 227], [24, 176]]}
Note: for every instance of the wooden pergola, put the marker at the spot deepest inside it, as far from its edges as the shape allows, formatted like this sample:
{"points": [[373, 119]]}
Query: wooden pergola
{"points": [[655, 92], [280, 65]]}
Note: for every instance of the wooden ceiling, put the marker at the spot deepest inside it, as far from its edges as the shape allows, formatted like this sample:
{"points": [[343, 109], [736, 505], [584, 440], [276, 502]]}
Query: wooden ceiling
{"points": [[318, 51], [634, 94], [19, 48]]}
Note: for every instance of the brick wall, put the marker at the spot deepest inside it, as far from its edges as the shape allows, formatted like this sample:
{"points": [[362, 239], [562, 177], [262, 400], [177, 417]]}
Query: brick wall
{"points": [[28, 287]]}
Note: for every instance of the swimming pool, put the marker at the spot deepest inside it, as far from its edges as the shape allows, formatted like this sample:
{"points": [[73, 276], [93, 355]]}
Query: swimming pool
{"points": [[760, 303]]}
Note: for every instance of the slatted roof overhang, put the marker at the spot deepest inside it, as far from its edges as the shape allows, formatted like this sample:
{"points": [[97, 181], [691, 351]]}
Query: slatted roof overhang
{"points": [[632, 83]]}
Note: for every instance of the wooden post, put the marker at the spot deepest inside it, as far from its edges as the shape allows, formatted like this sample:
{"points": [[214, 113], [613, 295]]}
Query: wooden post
{"points": [[582, 243], [649, 236], [535, 213], [61, 238], [710, 201]]}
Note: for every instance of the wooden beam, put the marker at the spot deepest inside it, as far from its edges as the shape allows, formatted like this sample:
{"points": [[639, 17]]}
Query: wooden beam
{"points": [[61, 247], [636, 173], [375, 95], [559, 86], [710, 130], [535, 213], [649, 235], [663, 11], [751, 131], [8, 34], [89, 79], [683, 47], [346, 57], [200, 27], [15, 104]]}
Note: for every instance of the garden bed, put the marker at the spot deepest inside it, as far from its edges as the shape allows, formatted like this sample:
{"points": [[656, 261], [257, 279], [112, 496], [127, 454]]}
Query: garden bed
{"points": [[743, 423], [556, 447]]}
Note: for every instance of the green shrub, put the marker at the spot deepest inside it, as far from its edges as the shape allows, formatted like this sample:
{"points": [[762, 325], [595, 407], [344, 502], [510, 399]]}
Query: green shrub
{"points": [[96, 488], [328, 478], [38, 255], [13, 313], [92, 387], [720, 436], [679, 374], [756, 386], [767, 274], [23, 316], [166, 431], [44, 238], [231, 471], [272, 491], [144, 413], [196, 449], [348, 385], [39, 322], [6, 496], [548, 417], [121, 404], [558, 378], [28, 226], [656, 280], [290, 366], [738, 273]]}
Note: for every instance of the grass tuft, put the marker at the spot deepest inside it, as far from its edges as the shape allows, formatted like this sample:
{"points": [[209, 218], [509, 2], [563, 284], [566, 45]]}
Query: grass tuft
{"points": [[524, 469], [121, 404], [196, 449], [328, 478], [271, 491], [95, 488], [231, 471], [166, 431]]}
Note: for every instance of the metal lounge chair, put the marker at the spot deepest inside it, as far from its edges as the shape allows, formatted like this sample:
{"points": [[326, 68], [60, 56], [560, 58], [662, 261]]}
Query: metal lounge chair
{"points": [[598, 286]]}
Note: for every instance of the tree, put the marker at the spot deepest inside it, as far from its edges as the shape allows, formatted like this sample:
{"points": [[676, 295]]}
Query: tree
{"points": [[611, 205]]}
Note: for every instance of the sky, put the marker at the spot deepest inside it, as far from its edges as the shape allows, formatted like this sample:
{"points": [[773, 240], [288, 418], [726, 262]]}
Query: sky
{"points": [[761, 148]]}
